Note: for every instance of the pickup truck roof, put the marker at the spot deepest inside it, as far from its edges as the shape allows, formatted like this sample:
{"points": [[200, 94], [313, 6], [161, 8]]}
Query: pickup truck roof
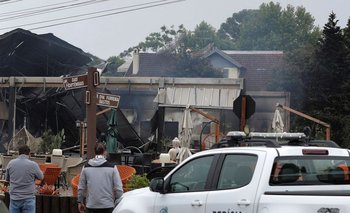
{"points": [[237, 138]]}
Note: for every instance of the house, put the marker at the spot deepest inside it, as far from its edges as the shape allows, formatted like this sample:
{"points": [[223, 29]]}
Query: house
{"points": [[255, 67]]}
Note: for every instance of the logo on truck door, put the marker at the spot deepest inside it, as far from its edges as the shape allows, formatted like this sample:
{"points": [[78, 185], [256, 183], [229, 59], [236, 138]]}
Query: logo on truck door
{"points": [[328, 210]]}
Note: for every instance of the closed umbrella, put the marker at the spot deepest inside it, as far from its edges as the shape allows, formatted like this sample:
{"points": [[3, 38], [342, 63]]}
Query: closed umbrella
{"points": [[112, 132], [185, 136], [277, 122]]}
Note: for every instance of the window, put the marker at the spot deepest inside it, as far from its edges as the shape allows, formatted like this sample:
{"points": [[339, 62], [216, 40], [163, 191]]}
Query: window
{"points": [[237, 171], [311, 170], [192, 176]]}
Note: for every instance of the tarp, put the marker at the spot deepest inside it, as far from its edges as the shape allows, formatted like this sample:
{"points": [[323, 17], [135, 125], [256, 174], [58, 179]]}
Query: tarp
{"points": [[277, 122], [186, 135]]}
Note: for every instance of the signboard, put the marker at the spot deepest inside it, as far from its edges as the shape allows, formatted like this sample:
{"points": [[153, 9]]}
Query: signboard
{"points": [[250, 106], [107, 100], [75, 82]]}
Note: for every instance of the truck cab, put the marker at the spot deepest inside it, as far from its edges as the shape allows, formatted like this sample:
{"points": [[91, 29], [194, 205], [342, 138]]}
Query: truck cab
{"points": [[244, 179]]}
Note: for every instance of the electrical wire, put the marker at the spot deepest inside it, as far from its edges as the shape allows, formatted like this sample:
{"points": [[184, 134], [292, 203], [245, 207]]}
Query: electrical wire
{"points": [[32, 8], [8, 1], [139, 7], [49, 10]]}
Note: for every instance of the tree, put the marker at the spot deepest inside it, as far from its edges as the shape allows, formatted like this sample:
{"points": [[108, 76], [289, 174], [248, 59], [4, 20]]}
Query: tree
{"points": [[327, 82], [270, 28], [347, 34], [112, 67]]}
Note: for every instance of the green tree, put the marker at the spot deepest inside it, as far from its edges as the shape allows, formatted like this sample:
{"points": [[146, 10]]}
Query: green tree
{"points": [[326, 84], [270, 28], [112, 67], [347, 34]]}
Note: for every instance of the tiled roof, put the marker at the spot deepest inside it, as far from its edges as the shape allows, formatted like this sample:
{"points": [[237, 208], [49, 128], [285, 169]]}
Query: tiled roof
{"points": [[259, 67]]}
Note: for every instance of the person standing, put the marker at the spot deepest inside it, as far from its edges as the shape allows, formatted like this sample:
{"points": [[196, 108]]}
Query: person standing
{"points": [[101, 182], [21, 174]]}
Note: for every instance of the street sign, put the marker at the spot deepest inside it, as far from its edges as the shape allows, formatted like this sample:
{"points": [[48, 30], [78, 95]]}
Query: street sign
{"points": [[75, 82], [250, 106], [107, 100]]}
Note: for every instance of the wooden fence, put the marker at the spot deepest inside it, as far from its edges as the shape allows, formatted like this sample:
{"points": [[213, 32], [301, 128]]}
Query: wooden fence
{"points": [[52, 204]]}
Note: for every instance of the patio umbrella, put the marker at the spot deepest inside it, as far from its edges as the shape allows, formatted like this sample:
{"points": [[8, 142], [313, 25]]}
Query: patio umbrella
{"points": [[277, 123], [112, 132], [185, 136]]}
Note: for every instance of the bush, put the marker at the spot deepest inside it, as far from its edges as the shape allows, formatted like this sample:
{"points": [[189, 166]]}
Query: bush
{"points": [[137, 181]]}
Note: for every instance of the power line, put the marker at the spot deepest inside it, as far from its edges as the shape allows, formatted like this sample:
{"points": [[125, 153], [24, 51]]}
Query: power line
{"points": [[8, 1], [140, 7], [36, 11], [28, 9]]}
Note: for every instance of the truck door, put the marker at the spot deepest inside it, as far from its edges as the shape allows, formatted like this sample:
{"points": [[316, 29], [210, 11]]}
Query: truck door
{"points": [[236, 184], [186, 188]]}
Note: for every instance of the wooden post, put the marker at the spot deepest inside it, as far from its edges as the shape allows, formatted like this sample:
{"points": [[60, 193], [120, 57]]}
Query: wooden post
{"points": [[243, 113], [91, 107]]}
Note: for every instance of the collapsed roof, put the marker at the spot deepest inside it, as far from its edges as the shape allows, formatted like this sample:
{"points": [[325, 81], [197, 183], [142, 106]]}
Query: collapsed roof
{"points": [[24, 53]]}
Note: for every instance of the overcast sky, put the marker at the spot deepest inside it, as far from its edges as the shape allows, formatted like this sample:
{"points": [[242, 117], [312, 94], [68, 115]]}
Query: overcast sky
{"points": [[129, 21]]}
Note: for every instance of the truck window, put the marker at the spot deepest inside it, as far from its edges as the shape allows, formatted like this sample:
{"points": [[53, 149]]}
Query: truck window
{"points": [[192, 176], [237, 171], [310, 170]]}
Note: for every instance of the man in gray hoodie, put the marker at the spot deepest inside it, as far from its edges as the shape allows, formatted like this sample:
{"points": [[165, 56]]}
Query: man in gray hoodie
{"points": [[100, 184]]}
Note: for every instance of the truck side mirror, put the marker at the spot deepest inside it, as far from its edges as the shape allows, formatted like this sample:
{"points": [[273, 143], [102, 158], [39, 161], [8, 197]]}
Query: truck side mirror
{"points": [[157, 185]]}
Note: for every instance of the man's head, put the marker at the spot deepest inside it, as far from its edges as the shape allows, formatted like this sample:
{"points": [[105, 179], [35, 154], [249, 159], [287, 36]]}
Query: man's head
{"points": [[23, 149], [100, 149]]}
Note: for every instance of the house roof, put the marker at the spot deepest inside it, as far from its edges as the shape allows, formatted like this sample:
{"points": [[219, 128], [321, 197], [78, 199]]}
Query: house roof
{"points": [[155, 65], [259, 66], [211, 50]]}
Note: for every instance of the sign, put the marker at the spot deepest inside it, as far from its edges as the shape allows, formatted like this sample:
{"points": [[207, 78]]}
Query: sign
{"points": [[75, 82], [250, 106], [107, 100]]}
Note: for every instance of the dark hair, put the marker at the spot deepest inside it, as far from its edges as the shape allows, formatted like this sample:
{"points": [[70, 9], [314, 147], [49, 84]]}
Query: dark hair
{"points": [[23, 149], [100, 148]]}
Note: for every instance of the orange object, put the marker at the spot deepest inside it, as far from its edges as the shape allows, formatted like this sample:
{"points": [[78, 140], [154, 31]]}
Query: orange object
{"points": [[125, 173], [74, 183], [51, 175], [43, 166]]}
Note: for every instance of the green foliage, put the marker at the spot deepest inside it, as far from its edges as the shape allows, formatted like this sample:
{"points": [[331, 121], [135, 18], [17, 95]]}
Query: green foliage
{"points": [[270, 28], [137, 181], [51, 141]]}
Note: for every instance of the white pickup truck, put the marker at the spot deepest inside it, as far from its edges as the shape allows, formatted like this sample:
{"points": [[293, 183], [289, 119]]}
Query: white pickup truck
{"points": [[259, 179]]}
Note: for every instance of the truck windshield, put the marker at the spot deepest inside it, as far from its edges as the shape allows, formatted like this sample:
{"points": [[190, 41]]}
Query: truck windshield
{"points": [[310, 170]]}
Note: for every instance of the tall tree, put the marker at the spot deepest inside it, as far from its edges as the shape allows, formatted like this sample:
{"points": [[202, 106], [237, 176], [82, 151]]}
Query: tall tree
{"points": [[270, 28], [326, 84]]}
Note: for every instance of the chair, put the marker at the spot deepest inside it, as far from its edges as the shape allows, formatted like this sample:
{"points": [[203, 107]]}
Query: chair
{"points": [[74, 184], [126, 172], [51, 176], [44, 166]]}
